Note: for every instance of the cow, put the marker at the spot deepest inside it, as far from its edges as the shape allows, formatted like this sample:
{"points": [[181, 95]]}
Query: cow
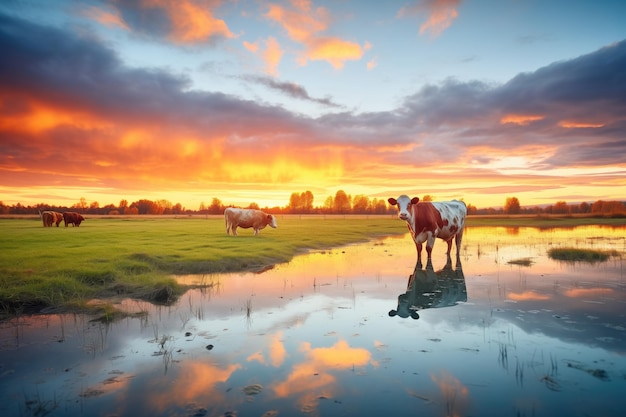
{"points": [[429, 220], [51, 217], [237, 217], [430, 289], [72, 218]]}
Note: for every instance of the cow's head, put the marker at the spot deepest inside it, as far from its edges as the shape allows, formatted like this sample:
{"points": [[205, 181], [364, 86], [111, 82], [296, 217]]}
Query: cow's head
{"points": [[271, 221], [404, 202]]}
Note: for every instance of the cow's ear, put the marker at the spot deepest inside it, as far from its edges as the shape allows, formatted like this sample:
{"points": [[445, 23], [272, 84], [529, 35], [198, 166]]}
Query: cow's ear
{"points": [[269, 217], [392, 201], [415, 200]]}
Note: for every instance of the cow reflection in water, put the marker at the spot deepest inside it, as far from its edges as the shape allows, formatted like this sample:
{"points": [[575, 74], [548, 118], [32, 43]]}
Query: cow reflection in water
{"points": [[429, 289]]}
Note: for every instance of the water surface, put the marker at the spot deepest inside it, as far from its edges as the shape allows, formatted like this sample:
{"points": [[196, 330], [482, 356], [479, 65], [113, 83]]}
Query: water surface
{"points": [[316, 337]]}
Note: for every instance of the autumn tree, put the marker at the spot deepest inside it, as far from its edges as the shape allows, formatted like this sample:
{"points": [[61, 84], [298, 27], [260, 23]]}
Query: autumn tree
{"points": [[512, 206], [301, 203], [81, 205], [561, 207], [379, 206], [216, 206], [341, 204], [360, 204]]}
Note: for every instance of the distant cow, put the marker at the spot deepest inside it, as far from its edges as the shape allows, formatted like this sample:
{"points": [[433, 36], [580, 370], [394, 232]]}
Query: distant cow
{"points": [[72, 218], [51, 217], [246, 218], [429, 220], [430, 289]]}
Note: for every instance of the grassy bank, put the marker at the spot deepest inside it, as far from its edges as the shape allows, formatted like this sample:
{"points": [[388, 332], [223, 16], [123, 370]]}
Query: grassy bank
{"points": [[42, 268], [46, 268]]}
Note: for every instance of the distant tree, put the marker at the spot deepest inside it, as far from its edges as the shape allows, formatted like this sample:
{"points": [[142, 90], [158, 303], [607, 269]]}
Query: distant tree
{"points": [[177, 209], [123, 206], [203, 208], [471, 209], [378, 206], [254, 206], [561, 207], [341, 204], [81, 205], [216, 207], [584, 208], [306, 201], [294, 203], [329, 203], [147, 207], [428, 197], [512, 206], [608, 207], [301, 203], [360, 204]]}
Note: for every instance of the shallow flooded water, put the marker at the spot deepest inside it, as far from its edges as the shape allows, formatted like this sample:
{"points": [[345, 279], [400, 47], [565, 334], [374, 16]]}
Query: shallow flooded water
{"points": [[345, 332]]}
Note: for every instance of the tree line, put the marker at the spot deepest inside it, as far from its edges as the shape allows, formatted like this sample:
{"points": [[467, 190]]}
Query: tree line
{"points": [[304, 203]]}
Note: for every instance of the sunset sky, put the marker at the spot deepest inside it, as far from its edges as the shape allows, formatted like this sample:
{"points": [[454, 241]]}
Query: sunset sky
{"points": [[250, 101]]}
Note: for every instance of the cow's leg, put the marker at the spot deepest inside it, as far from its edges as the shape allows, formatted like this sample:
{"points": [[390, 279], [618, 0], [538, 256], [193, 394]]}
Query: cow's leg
{"points": [[418, 246], [256, 232], [449, 242], [234, 229], [429, 247], [458, 239]]}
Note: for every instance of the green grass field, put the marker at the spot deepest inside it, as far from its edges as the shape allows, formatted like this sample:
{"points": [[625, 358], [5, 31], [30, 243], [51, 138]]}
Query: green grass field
{"points": [[65, 267], [45, 268]]}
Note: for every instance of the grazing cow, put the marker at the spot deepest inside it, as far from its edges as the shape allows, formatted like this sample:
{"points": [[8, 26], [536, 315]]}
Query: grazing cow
{"points": [[429, 220], [246, 218], [73, 218], [49, 217], [430, 289]]}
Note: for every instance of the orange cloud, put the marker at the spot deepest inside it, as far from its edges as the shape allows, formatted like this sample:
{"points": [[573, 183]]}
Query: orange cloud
{"points": [[106, 18], [587, 292], [579, 125], [441, 13], [313, 374], [196, 379], [527, 295], [271, 53], [305, 25], [372, 64], [520, 119], [277, 350], [454, 393], [37, 117], [334, 50], [192, 21]]}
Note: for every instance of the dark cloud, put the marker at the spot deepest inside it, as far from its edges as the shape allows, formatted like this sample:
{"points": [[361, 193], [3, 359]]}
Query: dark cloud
{"points": [[292, 90], [451, 121], [68, 70]]}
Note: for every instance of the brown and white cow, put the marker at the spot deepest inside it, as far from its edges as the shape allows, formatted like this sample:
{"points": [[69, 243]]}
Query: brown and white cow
{"points": [[429, 220], [72, 218], [247, 218]]}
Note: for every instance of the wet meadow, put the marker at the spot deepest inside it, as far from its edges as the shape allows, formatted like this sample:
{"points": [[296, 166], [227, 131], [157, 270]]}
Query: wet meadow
{"points": [[348, 328]]}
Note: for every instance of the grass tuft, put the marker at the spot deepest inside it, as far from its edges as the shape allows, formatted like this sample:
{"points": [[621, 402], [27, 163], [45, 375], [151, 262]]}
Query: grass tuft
{"points": [[580, 255]]}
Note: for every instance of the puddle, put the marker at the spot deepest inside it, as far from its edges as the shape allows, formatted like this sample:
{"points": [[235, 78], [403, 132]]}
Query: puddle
{"points": [[315, 337]]}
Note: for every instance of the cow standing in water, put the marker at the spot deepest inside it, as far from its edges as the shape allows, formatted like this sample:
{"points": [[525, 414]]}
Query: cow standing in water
{"points": [[429, 220], [246, 218]]}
